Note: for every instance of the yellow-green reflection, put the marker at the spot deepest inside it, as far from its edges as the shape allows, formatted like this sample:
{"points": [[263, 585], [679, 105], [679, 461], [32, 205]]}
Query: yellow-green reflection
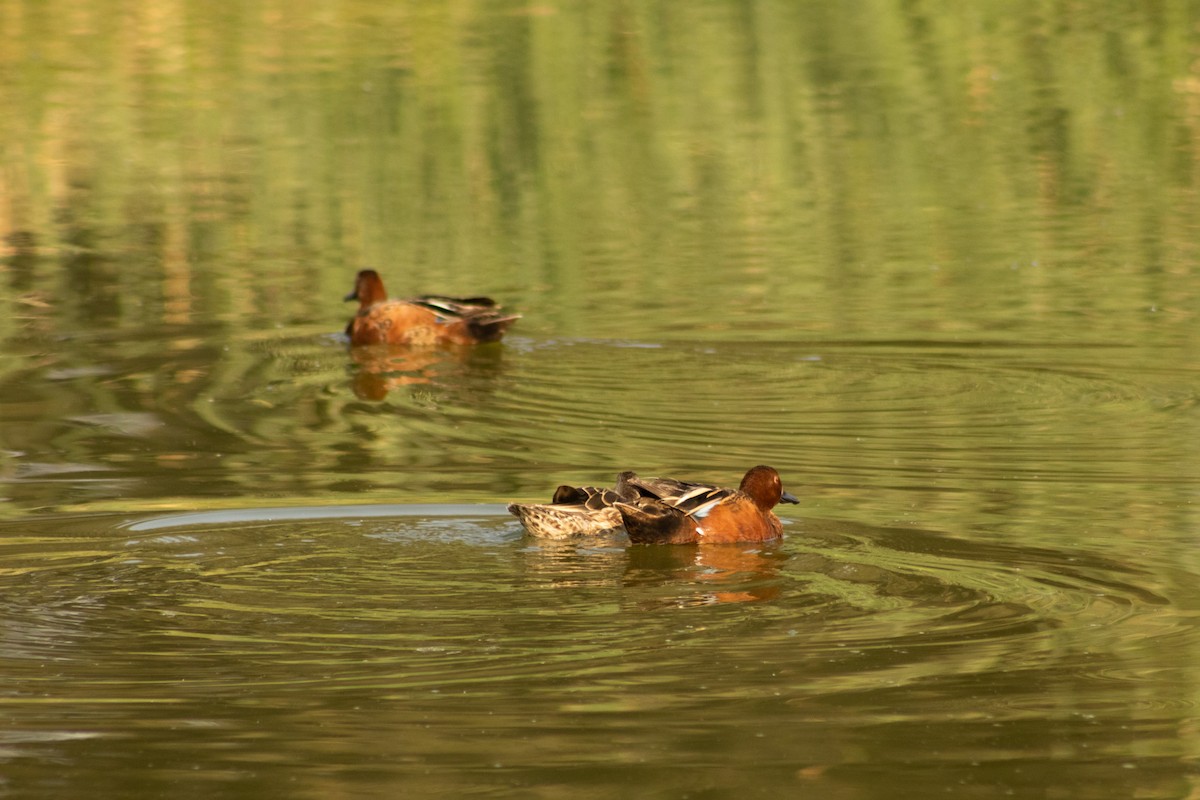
{"points": [[189, 163]]}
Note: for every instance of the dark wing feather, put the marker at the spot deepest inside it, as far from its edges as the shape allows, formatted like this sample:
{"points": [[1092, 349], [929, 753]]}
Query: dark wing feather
{"points": [[700, 500], [661, 487], [455, 306]]}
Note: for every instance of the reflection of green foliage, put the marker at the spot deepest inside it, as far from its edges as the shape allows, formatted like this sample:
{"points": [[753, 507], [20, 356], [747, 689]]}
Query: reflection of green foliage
{"points": [[807, 147]]}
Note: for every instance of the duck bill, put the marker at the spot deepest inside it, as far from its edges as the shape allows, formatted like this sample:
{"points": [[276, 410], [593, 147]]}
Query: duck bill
{"points": [[788, 497]]}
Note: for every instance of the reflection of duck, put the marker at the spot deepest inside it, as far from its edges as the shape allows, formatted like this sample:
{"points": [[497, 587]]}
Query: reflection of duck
{"points": [[462, 370], [576, 510], [384, 369], [678, 512], [732, 573], [565, 563], [425, 320]]}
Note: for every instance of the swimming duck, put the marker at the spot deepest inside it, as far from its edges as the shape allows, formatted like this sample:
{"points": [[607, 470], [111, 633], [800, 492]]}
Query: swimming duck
{"points": [[668, 511], [424, 320], [576, 510]]}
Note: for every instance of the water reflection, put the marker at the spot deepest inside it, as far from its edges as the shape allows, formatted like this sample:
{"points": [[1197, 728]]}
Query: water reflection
{"points": [[380, 369], [760, 153], [678, 576], [445, 620], [706, 574]]}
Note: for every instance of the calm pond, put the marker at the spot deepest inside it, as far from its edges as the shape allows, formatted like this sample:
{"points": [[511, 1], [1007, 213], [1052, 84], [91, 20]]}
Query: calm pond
{"points": [[938, 263]]}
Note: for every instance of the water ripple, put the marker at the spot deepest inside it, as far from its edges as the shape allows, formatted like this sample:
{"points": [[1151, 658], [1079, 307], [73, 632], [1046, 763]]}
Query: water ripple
{"points": [[429, 597]]}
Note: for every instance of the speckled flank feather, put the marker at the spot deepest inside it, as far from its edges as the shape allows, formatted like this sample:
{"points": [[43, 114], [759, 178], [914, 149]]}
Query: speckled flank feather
{"points": [[564, 522], [575, 511]]}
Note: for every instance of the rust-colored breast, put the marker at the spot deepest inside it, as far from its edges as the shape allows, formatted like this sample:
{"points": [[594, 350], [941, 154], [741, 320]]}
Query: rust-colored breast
{"points": [[398, 322], [739, 520]]}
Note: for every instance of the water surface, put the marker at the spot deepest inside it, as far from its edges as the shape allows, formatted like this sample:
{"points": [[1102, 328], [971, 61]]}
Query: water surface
{"points": [[435, 648], [935, 264]]}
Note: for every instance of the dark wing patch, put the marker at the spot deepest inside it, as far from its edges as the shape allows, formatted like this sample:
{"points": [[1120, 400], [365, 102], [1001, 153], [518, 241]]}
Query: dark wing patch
{"points": [[700, 500], [454, 306]]}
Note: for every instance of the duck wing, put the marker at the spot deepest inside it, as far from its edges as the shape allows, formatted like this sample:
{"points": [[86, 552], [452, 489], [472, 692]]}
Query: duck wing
{"points": [[591, 497], [700, 500], [455, 306], [663, 487]]}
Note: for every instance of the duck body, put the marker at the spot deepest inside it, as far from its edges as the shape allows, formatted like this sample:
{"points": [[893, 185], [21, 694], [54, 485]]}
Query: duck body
{"points": [[424, 320], [575, 511], [668, 511], [662, 510]]}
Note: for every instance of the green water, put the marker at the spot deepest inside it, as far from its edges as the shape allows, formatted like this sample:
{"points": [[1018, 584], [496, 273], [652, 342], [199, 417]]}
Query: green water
{"points": [[935, 262]]}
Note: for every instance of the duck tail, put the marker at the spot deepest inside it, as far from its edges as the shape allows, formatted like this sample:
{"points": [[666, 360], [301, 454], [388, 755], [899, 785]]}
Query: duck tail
{"points": [[489, 328]]}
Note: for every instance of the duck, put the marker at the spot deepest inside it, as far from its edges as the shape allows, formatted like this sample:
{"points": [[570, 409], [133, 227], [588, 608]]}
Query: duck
{"points": [[426, 320], [669, 511], [576, 510]]}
